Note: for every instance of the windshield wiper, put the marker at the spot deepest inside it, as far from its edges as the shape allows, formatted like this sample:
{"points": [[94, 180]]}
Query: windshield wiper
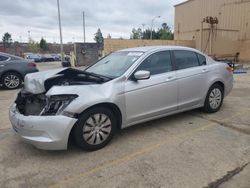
{"points": [[102, 77]]}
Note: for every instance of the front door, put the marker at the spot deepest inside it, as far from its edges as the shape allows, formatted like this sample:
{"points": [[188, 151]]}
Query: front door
{"points": [[154, 96]]}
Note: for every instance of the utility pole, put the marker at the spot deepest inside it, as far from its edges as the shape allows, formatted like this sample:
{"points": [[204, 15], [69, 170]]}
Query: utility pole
{"points": [[60, 30], [212, 21], [152, 23], [201, 36], [83, 24]]}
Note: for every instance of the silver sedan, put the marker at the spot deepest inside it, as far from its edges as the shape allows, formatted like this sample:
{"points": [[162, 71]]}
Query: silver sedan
{"points": [[127, 87]]}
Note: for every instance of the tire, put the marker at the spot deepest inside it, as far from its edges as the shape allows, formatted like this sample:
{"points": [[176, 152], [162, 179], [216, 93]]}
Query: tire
{"points": [[66, 64], [11, 80], [214, 99], [99, 122]]}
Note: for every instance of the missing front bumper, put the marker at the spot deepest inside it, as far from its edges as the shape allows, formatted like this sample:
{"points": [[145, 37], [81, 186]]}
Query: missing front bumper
{"points": [[44, 132]]}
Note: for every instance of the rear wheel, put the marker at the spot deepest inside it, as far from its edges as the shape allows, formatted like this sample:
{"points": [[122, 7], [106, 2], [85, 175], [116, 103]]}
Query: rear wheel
{"points": [[11, 80], [214, 99], [95, 128]]}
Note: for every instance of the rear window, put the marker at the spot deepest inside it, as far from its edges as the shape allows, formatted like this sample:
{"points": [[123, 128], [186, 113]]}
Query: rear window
{"points": [[185, 59], [13, 57], [3, 58], [202, 59]]}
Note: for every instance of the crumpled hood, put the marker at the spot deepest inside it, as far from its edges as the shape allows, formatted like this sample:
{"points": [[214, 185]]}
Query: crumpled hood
{"points": [[34, 82]]}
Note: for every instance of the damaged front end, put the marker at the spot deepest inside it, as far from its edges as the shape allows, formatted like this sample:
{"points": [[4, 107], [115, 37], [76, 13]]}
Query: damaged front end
{"points": [[32, 100], [38, 120], [39, 114], [30, 104], [41, 105]]}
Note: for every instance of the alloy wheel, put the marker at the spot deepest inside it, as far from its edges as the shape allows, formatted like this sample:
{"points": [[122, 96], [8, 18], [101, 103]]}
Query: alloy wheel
{"points": [[215, 98], [97, 129], [11, 81]]}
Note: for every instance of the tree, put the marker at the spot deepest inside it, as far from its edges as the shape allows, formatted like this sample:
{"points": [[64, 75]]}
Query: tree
{"points": [[33, 46], [136, 33], [147, 34], [165, 32], [6, 39], [98, 37], [43, 44]]}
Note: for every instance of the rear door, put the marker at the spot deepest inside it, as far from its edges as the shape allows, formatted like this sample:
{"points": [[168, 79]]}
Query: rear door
{"points": [[191, 73]]}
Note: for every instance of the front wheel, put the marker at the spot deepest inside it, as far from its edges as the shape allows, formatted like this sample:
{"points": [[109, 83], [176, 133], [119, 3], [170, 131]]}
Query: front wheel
{"points": [[95, 128], [214, 99]]}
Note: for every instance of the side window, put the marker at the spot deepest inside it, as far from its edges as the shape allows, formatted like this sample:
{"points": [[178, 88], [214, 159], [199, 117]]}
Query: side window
{"points": [[3, 58], [157, 63], [185, 59], [202, 59]]}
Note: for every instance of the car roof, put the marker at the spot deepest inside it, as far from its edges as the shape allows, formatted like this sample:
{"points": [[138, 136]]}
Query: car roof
{"points": [[10, 55], [153, 48]]}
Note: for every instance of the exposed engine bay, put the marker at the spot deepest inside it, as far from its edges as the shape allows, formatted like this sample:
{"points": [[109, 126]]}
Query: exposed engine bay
{"points": [[39, 104], [72, 76], [30, 104]]}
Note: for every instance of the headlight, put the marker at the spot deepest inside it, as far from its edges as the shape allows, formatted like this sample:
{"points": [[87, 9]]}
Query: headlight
{"points": [[55, 104]]}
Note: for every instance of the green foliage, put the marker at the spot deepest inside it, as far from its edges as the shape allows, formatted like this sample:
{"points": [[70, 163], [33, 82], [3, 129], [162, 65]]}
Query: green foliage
{"points": [[43, 44], [163, 33], [33, 46], [147, 34], [98, 37], [136, 33], [7, 40]]}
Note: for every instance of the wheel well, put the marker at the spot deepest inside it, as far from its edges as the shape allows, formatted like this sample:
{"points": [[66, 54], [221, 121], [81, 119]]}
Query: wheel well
{"points": [[114, 108], [221, 84], [9, 71]]}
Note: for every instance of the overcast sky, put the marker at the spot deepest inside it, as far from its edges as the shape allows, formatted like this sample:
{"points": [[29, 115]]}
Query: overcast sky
{"points": [[114, 17]]}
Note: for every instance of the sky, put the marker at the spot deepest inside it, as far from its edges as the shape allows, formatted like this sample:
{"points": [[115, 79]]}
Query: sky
{"points": [[115, 17]]}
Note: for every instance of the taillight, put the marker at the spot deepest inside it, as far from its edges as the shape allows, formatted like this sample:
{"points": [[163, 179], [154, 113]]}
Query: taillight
{"points": [[31, 64], [230, 69]]}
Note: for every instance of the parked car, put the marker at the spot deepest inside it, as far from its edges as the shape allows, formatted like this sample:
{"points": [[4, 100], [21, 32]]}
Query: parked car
{"points": [[26, 54], [34, 57], [56, 57], [13, 69], [125, 88], [47, 58]]}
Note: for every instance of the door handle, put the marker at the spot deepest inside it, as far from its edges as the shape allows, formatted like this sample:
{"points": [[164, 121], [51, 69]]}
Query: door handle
{"points": [[2, 65], [170, 78]]}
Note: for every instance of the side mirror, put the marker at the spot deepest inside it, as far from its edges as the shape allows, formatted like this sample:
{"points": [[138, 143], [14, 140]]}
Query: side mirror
{"points": [[141, 75]]}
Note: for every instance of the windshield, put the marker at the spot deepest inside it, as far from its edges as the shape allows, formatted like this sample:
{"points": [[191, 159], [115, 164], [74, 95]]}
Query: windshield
{"points": [[115, 64]]}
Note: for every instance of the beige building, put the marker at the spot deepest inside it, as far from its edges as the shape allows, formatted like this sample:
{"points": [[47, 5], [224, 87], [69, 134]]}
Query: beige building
{"points": [[229, 36]]}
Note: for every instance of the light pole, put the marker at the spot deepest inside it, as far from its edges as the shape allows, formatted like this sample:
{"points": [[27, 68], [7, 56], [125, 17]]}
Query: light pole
{"points": [[83, 24], [60, 30], [152, 22]]}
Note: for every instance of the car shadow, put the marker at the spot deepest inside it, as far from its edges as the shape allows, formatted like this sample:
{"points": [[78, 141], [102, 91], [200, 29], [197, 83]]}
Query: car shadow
{"points": [[120, 138], [131, 131], [4, 89]]}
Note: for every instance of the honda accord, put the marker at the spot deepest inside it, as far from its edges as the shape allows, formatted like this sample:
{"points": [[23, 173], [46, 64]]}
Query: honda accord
{"points": [[127, 87]]}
